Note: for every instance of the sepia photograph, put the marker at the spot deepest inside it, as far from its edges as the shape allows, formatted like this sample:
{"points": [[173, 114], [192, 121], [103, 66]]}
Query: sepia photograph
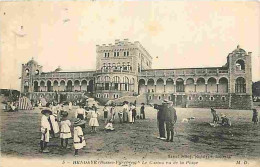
{"points": [[130, 83]]}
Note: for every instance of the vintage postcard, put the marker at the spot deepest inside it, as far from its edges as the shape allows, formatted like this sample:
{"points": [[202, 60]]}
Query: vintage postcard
{"points": [[130, 83]]}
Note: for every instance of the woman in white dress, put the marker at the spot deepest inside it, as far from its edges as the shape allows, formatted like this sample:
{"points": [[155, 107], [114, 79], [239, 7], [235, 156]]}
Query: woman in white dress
{"points": [[130, 118], [93, 122]]}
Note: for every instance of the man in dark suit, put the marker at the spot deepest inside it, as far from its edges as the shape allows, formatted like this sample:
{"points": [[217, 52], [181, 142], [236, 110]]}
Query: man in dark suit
{"points": [[160, 120], [170, 120]]}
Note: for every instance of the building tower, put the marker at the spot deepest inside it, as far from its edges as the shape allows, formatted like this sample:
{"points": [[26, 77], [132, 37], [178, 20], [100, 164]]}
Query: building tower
{"points": [[240, 79], [29, 71], [117, 68]]}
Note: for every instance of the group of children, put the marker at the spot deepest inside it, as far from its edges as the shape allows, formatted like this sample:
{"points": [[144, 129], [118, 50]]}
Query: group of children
{"points": [[50, 125]]}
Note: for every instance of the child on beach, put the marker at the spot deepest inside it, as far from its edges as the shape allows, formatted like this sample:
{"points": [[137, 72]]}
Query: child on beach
{"points": [[78, 139], [65, 133], [109, 126], [45, 127], [93, 122]]}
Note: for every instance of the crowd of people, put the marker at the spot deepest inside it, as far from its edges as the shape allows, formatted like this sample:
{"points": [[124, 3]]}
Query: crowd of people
{"points": [[55, 121]]}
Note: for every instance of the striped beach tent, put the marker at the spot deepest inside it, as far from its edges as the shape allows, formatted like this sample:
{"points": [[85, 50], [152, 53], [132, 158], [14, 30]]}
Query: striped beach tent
{"points": [[24, 103]]}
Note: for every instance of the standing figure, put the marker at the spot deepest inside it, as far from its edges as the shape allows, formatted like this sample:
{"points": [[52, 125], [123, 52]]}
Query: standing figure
{"points": [[70, 105], [112, 113], [93, 122], [130, 115], [125, 112], [94, 107], [133, 109], [49, 106], [81, 114], [58, 107], [53, 124], [78, 138], [142, 113], [65, 133], [255, 116], [170, 119], [160, 121], [215, 116], [45, 128], [120, 116], [105, 110]]}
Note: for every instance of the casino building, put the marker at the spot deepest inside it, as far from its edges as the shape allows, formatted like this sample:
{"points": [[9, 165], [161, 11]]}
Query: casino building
{"points": [[124, 72]]}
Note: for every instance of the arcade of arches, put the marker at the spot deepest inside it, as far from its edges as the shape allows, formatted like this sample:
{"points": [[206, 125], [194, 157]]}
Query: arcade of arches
{"points": [[63, 86], [211, 85], [115, 83]]}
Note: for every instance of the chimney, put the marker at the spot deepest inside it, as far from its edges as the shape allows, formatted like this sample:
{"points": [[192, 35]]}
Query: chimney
{"points": [[126, 41], [117, 41]]}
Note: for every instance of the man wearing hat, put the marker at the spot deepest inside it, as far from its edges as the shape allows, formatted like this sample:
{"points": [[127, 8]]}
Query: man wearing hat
{"points": [[161, 119], [45, 128], [170, 120], [142, 113]]}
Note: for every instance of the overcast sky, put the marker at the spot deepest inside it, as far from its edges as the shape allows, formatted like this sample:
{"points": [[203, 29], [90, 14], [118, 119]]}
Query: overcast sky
{"points": [[181, 34]]}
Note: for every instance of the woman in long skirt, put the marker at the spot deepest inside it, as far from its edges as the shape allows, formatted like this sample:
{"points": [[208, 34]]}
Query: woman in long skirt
{"points": [[125, 112], [130, 115]]}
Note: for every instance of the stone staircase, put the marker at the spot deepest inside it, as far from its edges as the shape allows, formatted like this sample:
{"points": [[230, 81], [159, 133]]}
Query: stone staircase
{"points": [[131, 99]]}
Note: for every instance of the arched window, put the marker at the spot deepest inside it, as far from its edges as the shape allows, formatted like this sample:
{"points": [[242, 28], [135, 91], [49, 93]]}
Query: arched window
{"points": [[240, 85], [126, 83], [69, 86], [179, 85], [116, 81], [37, 72], [27, 71], [141, 86], [240, 65], [35, 86], [49, 87], [107, 82]]}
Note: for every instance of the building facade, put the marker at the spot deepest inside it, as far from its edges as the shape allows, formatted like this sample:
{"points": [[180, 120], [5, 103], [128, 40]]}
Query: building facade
{"points": [[124, 72]]}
